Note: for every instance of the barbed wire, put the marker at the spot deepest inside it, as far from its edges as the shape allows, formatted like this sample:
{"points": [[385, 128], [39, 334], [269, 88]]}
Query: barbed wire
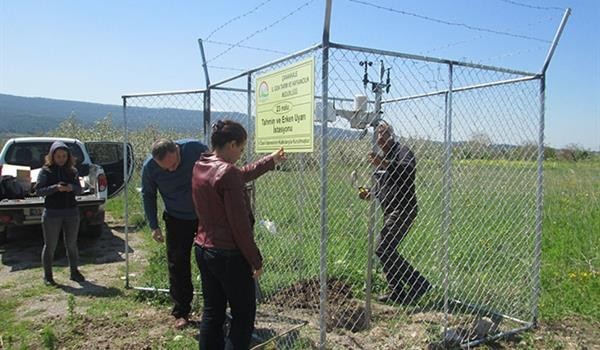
{"points": [[510, 54], [261, 30], [228, 68], [456, 24], [481, 36], [246, 47], [532, 6], [237, 18]]}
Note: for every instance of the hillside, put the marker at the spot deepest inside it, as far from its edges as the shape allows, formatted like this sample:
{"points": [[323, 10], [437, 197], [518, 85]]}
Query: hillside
{"points": [[33, 115], [30, 115]]}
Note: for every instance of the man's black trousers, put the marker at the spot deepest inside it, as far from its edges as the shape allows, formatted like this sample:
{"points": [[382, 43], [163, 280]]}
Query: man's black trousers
{"points": [[180, 238]]}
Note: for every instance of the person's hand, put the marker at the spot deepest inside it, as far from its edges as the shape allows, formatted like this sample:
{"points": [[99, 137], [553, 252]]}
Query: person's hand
{"points": [[364, 193], [157, 235], [374, 159], [377, 160], [62, 187], [279, 156], [256, 273]]}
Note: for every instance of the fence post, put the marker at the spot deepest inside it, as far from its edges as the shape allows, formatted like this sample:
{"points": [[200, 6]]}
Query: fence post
{"points": [[125, 187], [539, 203], [446, 189], [323, 248], [206, 102]]}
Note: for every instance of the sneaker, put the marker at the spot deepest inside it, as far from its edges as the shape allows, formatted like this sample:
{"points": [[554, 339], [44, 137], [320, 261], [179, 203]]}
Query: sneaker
{"points": [[49, 281], [77, 276], [181, 322]]}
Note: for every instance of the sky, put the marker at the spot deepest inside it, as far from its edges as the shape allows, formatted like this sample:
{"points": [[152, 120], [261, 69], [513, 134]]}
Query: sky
{"points": [[98, 51]]}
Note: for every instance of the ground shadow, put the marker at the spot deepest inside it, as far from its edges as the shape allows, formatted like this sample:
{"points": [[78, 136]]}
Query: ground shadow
{"points": [[88, 288], [23, 249]]}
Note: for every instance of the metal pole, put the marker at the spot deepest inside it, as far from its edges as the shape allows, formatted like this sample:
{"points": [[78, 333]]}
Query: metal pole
{"points": [[539, 204], [447, 188], [125, 188], [474, 343], [427, 59], [251, 130], [462, 89], [561, 27], [204, 63], [249, 141], [269, 64], [324, 234], [206, 102], [371, 228]]}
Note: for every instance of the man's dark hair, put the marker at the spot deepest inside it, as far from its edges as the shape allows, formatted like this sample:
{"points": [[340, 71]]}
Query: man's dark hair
{"points": [[224, 131], [161, 147]]}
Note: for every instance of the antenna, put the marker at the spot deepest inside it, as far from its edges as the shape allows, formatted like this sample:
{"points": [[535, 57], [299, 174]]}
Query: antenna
{"points": [[379, 86], [366, 64]]}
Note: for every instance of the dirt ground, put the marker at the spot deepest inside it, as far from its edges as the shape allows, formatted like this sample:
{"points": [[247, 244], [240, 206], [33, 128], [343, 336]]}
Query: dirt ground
{"points": [[289, 317]]}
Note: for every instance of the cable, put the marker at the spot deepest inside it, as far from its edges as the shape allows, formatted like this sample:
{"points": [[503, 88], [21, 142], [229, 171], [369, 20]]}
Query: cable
{"points": [[531, 6], [260, 31], [431, 19], [236, 18], [245, 47]]}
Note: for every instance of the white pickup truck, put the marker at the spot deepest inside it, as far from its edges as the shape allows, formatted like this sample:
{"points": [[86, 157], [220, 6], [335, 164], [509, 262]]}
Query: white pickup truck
{"points": [[101, 173]]}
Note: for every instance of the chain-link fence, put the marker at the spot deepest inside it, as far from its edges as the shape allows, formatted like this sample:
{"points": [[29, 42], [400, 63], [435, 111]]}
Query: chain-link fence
{"points": [[148, 117], [463, 262]]}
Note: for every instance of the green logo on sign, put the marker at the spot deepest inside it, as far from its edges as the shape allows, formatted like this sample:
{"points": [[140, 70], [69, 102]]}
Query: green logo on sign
{"points": [[263, 90]]}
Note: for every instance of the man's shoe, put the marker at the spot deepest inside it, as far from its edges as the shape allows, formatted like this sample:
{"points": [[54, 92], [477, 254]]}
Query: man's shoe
{"points": [[393, 297], [77, 276], [49, 281], [181, 323]]}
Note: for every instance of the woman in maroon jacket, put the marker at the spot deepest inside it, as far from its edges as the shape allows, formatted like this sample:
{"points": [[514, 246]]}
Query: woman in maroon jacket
{"points": [[226, 252]]}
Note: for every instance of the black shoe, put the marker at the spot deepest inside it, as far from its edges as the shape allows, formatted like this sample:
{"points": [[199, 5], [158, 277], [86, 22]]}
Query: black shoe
{"points": [[49, 281], [77, 276], [393, 297]]}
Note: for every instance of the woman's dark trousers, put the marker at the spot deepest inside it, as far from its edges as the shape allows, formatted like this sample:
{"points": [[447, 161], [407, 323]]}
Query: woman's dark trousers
{"points": [[226, 278], [52, 227]]}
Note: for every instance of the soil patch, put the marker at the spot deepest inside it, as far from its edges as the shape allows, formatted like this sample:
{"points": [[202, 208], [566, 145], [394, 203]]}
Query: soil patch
{"points": [[344, 311]]}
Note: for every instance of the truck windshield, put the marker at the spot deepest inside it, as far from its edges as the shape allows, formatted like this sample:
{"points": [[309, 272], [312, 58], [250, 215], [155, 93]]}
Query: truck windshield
{"points": [[32, 154]]}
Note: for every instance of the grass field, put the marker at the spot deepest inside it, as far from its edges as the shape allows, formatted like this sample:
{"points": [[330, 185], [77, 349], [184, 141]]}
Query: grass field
{"points": [[490, 248], [491, 244]]}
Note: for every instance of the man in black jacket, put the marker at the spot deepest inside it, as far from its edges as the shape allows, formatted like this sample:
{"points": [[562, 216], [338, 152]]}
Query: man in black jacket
{"points": [[395, 190]]}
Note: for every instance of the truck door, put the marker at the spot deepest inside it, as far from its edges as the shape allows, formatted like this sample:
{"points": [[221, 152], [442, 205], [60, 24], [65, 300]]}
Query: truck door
{"points": [[109, 155]]}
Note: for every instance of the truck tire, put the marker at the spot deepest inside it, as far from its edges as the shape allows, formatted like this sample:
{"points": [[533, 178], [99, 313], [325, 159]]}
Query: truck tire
{"points": [[3, 234], [94, 231], [90, 230]]}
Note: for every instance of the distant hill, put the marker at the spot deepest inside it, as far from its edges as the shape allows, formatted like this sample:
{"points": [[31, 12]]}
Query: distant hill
{"points": [[26, 115], [34, 115]]}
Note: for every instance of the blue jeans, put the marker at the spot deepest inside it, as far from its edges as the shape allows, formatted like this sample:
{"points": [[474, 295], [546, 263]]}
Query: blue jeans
{"points": [[226, 278]]}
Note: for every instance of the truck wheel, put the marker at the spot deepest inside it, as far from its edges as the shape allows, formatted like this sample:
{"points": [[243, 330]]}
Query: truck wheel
{"points": [[3, 234], [94, 231]]}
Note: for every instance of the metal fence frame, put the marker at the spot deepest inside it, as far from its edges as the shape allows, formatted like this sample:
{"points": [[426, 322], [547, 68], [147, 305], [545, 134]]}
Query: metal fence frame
{"points": [[324, 48]]}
